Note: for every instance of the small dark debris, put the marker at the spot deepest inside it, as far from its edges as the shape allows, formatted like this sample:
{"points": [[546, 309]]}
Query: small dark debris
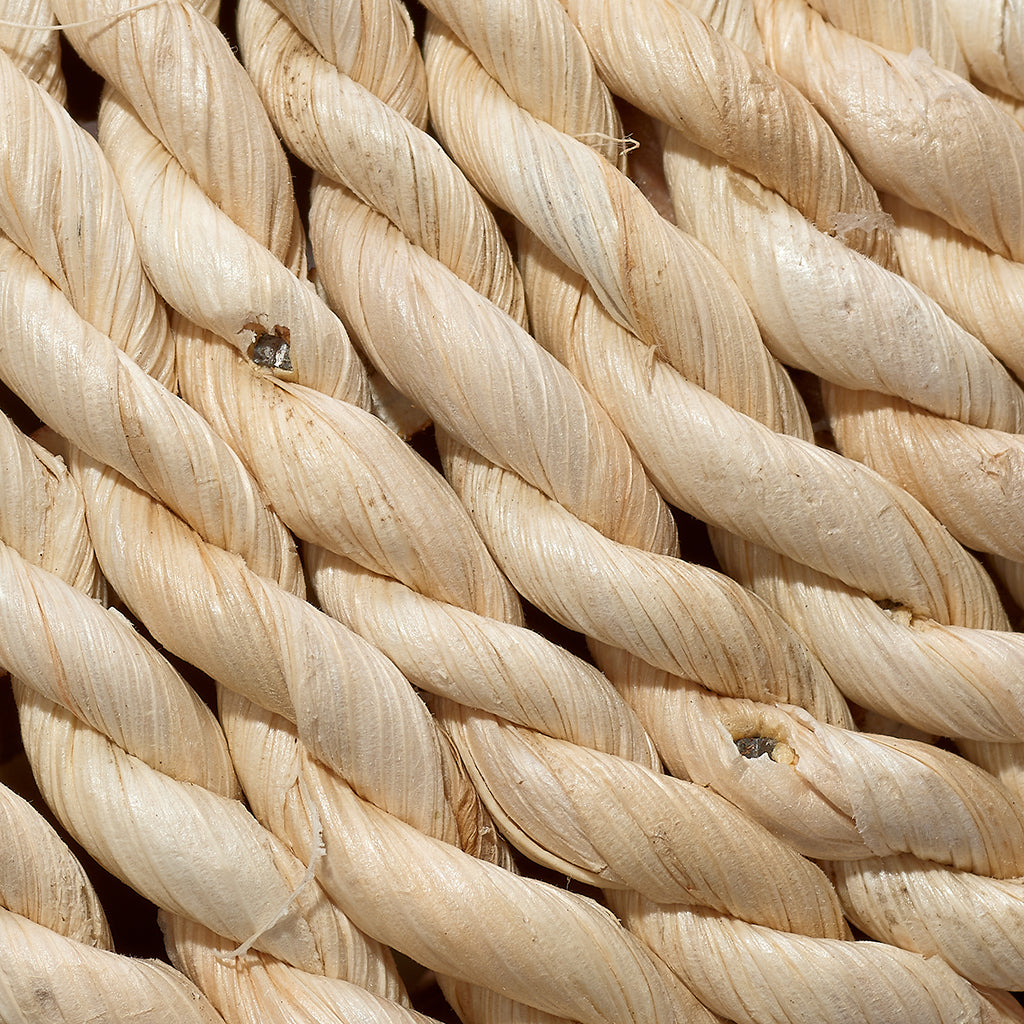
{"points": [[272, 352], [755, 746]]}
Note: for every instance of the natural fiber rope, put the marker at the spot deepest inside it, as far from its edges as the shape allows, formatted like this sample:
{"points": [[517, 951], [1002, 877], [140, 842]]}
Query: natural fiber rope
{"points": [[136, 767], [606, 376], [37, 53], [647, 991], [300, 106], [800, 803], [328, 784], [72, 375], [990, 35], [321, 261], [264, 884], [323, 269], [708, 197]]}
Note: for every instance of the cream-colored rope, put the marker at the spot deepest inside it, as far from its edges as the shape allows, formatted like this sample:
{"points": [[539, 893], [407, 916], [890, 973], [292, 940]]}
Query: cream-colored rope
{"points": [[46, 976], [144, 851], [903, 25], [280, 792], [136, 768], [644, 992], [668, 61], [772, 264], [600, 378], [35, 50], [327, 251], [990, 34], [40, 879], [74, 376], [917, 107], [799, 802]]}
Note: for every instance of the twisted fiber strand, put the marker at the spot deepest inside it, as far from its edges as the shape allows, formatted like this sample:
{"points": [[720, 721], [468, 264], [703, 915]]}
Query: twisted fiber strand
{"points": [[353, 709], [74, 376], [664, 59], [987, 948], [809, 290], [952, 469], [55, 947], [666, 569], [323, 940], [631, 597], [46, 976], [918, 524], [832, 300], [575, 101], [976, 287], [358, 306], [606, 965], [652, 278], [912, 988], [36, 52], [41, 881], [731, 213], [965, 475], [580, 780], [930, 135], [934, 573], [218, 226], [844, 796], [193, 79], [373, 43], [138, 771], [643, 989], [552, 749], [76, 380], [312, 455], [980, 798], [947, 680], [48, 164], [825, 308], [903, 26], [990, 35], [695, 734], [268, 990], [334, 126]]}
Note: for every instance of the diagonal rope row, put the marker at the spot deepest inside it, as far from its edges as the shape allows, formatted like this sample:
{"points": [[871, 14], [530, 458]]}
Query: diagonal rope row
{"points": [[637, 987], [604, 377], [338, 198]]}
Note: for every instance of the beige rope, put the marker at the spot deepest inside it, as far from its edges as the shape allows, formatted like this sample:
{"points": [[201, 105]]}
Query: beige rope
{"points": [[395, 278], [800, 804], [73, 375], [644, 987], [254, 986], [36, 52], [144, 850], [136, 768], [49, 977], [990, 36], [40, 879], [666, 60], [953, 765], [903, 26], [917, 108], [974, 285], [824, 308]]}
